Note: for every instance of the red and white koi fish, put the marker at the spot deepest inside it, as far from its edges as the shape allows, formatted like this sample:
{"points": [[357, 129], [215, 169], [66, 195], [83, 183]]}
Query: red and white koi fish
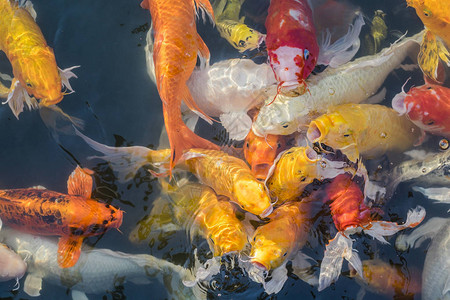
{"points": [[350, 216], [427, 106]]}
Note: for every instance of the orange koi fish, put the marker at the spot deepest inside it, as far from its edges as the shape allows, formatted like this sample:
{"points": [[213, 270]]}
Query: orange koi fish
{"points": [[350, 216], [33, 61], [177, 44], [73, 216], [260, 152], [435, 15], [367, 129], [386, 279], [225, 174]]}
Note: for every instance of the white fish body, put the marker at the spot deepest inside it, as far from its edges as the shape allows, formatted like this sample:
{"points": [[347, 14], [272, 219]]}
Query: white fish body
{"points": [[352, 82], [226, 89], [97, 270], [436, 274]]}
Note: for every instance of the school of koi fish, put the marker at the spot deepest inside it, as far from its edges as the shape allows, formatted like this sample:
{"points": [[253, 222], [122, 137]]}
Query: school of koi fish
{"points": [[272, 167]]}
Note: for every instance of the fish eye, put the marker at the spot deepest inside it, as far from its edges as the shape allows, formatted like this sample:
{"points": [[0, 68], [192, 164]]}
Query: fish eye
{"points": [[29, 84], [247, 145], [427, 13], [430, 122], [241, 43], [306, 54], [284, 125], [278, 145], [303, 179], [285, 253], [347, 135]]}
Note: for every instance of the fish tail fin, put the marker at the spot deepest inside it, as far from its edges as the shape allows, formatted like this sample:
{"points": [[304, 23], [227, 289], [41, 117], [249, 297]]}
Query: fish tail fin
{"points": [[57, 121], [203, 52], [205, 7], [69, 250], [181, 138], [126, 161]]}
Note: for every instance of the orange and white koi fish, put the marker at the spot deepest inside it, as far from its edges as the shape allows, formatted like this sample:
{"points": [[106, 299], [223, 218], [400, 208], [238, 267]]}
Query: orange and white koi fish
{"points": [[436, 40], [427, 106], [226, 175], [350, 216], [175, 56], [367, 129], [33, 61], [73, 216], [260, 152]]}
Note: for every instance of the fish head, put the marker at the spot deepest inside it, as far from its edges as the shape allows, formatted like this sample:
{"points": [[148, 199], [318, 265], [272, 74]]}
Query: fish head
{"points": [[40, 76], [106, 217], [244, 38], [12, 265], [433, 15], [332, 130], [260, 152], [252, 196], [275, 119]]}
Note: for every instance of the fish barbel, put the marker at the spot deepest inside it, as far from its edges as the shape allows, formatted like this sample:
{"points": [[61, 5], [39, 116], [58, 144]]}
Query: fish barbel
{"points": [[352, 82], [96, 272], [33, 61], [177, 44], [73, 216], [369, 130]]}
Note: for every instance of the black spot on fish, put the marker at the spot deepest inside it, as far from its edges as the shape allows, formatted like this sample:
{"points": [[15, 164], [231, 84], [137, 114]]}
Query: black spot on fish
{"points": [[49, 219], [76, 231]]}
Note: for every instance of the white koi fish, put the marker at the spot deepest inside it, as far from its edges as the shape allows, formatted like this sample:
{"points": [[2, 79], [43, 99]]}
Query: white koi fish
{"points": [[352, 82], [97, 270], [12, 265]]}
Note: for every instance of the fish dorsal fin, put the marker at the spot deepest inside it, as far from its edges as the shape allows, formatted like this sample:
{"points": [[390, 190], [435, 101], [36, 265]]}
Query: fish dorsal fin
{"points": [[32, 285], [205, 6], [80, 183], [145, 5], [69, 250]]}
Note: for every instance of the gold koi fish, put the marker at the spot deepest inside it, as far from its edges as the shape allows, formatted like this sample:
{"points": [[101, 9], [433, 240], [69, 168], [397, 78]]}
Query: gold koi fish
{"points": [[378, 33], [367, 129]]}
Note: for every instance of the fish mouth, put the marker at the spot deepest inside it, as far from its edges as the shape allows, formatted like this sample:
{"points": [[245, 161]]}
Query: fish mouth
{"points": [[315, 132], [261, 170], [48, 101], [259, 265]]}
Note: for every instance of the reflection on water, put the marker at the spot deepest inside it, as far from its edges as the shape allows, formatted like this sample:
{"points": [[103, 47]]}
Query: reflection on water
{"points": [[121, 107]]}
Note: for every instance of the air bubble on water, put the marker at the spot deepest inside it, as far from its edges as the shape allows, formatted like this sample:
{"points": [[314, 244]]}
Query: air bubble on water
{"points": [[383, 135], [424, 170], [323, 164], [331, 91], [443, 144], [379, 167]]}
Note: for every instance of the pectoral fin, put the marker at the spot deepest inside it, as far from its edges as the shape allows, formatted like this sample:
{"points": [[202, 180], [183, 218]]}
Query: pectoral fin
{"points": [[431, 51], [32, 285], [17, 96], [80, 183], [237, 124], [69, 250]]}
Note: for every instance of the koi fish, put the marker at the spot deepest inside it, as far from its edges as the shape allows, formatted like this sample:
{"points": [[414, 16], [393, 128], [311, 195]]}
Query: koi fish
{"points": [[225, 174], [297, 167], [12, 265], [367, 129], [436, 40], [97, 270], [435, 275], [275, 243], [233, 29], [427, 106], [291, 41], [351, 215], [378, 33], [33, 61], [389, 280], [196, 208], [175, 56], [73, 216], [352, 82], [260, 152], [243, 83]]}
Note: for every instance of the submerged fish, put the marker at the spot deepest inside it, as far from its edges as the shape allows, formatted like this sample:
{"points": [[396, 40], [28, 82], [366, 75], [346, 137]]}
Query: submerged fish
{"points": [[353, 82], [12, 265], [97, 271], [33, 61], [378, 33], [233, 29], [369, 130], [226, 175], [436, 41], [435, 275], [427, 106], [177, 44], [73, 216]]}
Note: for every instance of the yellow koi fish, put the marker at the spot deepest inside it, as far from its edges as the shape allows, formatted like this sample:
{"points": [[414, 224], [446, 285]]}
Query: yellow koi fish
{"points": [[233, 29], [196, 207], [226, 175], [367, 129], [378, 33], [435, 15], [33, 61]]}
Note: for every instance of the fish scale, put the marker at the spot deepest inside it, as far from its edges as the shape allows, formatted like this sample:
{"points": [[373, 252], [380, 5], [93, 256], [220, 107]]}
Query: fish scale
{"points": [[353, 82]]}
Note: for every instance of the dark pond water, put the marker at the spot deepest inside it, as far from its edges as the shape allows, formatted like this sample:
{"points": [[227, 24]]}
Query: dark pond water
{"points": [[120, 106]]}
